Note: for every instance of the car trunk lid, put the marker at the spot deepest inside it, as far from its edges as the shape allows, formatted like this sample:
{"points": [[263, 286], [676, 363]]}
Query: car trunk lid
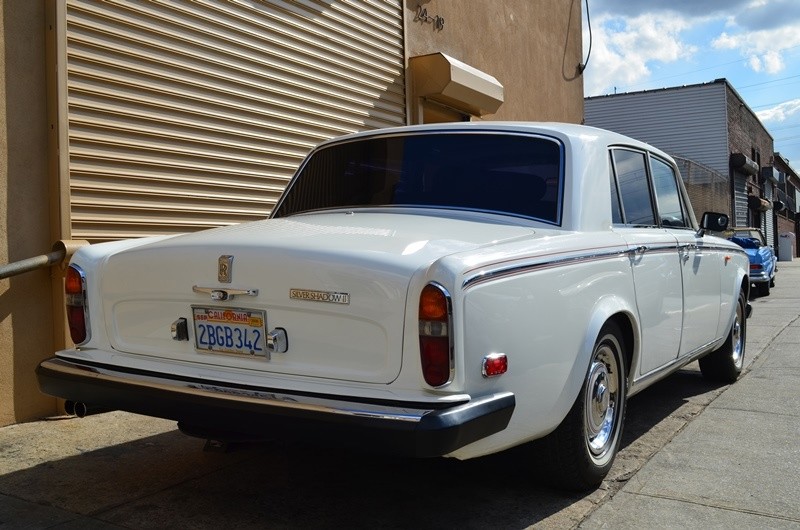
{"points": [[336, 283]]}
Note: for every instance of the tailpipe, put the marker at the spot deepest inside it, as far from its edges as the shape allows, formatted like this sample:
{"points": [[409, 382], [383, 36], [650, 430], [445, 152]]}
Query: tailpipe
{"points": [[81, 409]]}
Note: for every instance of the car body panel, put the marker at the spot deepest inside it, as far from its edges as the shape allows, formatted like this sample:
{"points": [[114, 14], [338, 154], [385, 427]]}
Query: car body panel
{"points": [[368, 256], [342, 280]]}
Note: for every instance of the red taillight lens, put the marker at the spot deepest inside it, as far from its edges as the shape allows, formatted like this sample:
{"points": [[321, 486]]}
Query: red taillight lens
{"points": [[434, 335], [435, 354], [753, 266], [74, 288], [77, 323]]}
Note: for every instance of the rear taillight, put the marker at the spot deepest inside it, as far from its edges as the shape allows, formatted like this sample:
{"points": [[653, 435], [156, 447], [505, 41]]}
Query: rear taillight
{"points": [[755, 267], [435, 345], [77, 312]]}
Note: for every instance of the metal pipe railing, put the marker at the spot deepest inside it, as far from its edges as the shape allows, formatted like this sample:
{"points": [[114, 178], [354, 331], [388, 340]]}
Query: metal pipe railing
{"points": [[62, 252]]}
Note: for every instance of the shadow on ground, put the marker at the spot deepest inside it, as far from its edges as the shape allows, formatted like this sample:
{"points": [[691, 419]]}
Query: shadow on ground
{"points": [[168, 480]]}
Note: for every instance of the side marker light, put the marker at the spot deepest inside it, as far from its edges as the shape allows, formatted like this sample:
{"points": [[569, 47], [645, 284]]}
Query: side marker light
{"points": [[494, 364]]}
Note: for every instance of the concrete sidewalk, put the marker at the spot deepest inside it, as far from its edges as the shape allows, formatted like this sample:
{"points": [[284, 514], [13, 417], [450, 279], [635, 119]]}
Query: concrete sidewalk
{"points": [[737, 465]]}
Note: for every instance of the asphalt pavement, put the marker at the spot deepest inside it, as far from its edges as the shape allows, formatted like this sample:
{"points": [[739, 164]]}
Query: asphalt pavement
{"points": [[695, 455]]}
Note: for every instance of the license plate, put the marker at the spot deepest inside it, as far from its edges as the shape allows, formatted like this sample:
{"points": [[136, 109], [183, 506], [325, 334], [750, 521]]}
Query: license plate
{"points": [[226, 330]]}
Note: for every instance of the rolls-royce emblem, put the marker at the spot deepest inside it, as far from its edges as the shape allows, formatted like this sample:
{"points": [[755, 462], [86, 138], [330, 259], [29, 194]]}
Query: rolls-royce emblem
{"points": [[225, 269], [319, 296]]}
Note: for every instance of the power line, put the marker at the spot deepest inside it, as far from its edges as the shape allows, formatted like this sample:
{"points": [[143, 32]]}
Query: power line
{"points": [[713, 67], [768, 82], [777, 103], [784, 127]]}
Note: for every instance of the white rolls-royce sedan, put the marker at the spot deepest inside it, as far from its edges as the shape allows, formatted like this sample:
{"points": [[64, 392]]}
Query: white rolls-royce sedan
{"points": [[446, 290]]}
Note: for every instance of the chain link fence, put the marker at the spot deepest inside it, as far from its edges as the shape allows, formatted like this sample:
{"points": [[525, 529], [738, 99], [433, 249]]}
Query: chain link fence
{"points": [[709, 190]]}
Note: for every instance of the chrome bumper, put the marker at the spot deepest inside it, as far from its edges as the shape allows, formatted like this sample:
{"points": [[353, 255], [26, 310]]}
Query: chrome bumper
{"points": [[201, 406]]}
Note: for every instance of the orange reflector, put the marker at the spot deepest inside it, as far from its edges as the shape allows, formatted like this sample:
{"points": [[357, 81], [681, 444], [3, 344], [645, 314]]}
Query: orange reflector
{"points": [[432, 304], [494, 364], [73, 283]]}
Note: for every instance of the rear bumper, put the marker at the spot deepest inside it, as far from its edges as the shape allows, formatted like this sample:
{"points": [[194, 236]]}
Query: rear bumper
{"points": [[201, 406], [760, 277]]}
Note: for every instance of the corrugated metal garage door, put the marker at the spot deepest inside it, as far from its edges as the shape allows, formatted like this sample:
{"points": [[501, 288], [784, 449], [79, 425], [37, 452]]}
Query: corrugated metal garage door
{"points": [[186, 115], [740, 214], [769, 218]]}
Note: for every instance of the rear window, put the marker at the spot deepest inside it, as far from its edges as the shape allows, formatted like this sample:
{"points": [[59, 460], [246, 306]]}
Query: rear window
{"points": [[512, 174]]}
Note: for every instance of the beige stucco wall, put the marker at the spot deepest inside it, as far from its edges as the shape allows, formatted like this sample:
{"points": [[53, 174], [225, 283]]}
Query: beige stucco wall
{"points": [[532, 48], [26, 323]]}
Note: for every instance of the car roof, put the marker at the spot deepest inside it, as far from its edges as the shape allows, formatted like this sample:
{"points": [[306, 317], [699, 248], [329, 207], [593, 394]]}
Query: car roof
{"points": [[567, 131]]}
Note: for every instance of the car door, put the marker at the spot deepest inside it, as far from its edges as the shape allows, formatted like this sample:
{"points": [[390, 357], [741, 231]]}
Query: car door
{"points": [[700, 262], [655, 259]]}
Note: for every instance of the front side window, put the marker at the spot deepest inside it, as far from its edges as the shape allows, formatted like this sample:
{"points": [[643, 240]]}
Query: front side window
{"points": [[513, 174]]}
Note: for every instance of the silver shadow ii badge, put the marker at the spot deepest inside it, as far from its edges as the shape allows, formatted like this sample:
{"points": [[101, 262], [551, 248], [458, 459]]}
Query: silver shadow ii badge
{"points": [[225, 269]]}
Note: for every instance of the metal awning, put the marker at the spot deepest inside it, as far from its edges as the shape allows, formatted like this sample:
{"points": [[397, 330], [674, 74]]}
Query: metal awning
{"points": [[450, 82]]}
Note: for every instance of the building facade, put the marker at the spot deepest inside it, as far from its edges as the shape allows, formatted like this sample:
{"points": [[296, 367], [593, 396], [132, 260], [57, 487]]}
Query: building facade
{"points": [[725, 152], [786, 197], [128, 119]]}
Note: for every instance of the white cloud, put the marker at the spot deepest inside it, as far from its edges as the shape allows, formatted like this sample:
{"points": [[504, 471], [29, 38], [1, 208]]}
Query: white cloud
{"points": [[764, 49], [773, 62], [780, 112], [624, 48]]}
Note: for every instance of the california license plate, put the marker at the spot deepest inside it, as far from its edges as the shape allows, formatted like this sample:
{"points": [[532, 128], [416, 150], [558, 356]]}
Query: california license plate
{"points": [[226, 330]]}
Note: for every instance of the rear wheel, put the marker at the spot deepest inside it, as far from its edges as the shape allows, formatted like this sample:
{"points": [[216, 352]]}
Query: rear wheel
{"points": [[579, 453], [763, 288], [725, 363]]}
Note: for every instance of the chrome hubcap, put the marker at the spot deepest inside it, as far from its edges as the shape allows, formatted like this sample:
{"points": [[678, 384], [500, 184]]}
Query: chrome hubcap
{"points": [[738, 339], [602, 395]]}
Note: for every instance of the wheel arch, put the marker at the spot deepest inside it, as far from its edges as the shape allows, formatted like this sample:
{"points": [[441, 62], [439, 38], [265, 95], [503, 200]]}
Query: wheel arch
{"points": [[624, 323], [623, 314]]}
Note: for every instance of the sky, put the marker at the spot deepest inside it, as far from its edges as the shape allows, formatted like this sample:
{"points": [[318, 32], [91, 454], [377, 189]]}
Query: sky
{"points": [[650, 44]]}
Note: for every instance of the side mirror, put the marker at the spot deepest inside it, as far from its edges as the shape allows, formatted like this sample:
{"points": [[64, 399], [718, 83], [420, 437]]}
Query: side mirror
{"points": [[713, 221]]}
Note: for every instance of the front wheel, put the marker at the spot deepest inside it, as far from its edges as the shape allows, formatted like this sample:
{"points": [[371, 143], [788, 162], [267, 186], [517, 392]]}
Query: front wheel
{"points": [[725, 363], [579, 453]]}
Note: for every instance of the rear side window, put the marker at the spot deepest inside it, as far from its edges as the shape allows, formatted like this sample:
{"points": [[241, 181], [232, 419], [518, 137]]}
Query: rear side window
{"points": [[616, 207], [634, 188], [670, 206], [513, 174]]}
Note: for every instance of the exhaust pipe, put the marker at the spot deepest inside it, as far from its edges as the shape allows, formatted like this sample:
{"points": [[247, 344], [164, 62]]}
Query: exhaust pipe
{"points": [[81, 409]]}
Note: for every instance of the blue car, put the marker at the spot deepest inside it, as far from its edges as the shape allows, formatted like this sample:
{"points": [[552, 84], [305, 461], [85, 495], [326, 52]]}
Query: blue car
{"points": [[762, 258]]}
